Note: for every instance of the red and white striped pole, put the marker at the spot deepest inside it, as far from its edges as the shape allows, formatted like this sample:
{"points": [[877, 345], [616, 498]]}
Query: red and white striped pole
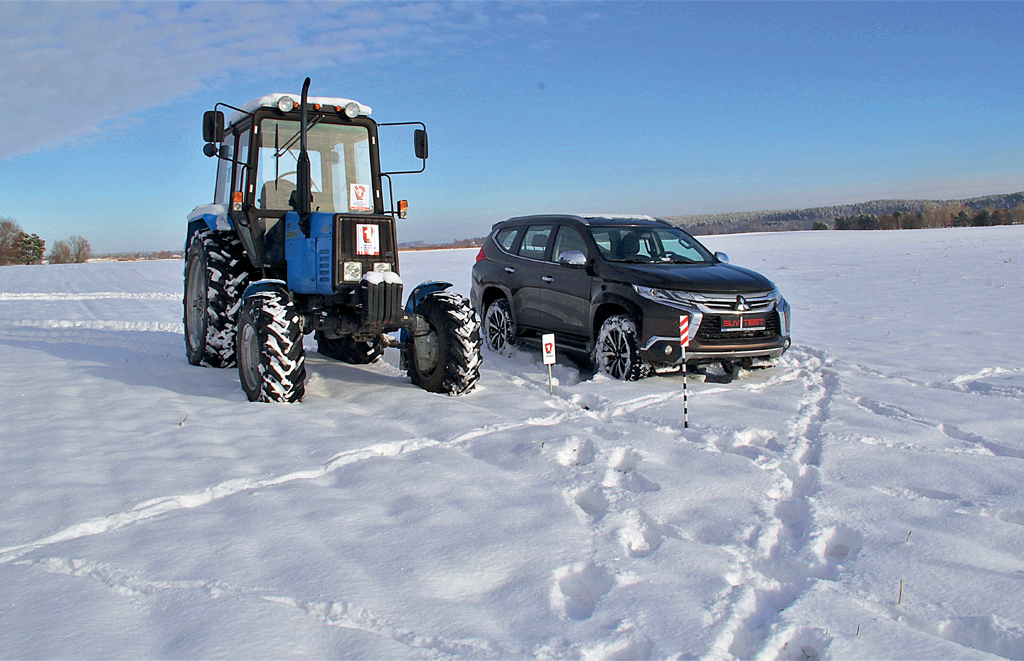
{"points": [[684, 341]]}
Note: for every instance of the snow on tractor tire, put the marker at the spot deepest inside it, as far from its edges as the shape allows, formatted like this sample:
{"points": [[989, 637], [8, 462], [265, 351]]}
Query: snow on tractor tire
{"points": [[271, 358], [450, 361], [216, 274]]}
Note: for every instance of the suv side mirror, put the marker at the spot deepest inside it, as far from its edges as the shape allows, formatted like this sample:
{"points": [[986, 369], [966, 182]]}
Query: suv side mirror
{"points": [[419, 139], [213, 126], [573, 259], [722, 257]]}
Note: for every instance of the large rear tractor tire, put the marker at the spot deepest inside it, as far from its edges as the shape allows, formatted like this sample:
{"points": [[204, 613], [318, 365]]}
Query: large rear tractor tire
{"points": [[450, 364], [348, 350], [617, 353], [271, 358], [216, 274]]}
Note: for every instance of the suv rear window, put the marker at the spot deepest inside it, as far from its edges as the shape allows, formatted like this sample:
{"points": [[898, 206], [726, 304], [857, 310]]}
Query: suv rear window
{"points": [[507, 238], [535, 242]]}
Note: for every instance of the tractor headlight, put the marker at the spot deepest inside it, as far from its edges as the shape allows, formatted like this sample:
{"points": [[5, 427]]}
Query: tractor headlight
{"points": [[381, 267], [285, 103], [352, 271], [352, 110]]}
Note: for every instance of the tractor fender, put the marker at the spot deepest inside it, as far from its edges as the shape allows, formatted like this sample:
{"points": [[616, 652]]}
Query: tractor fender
{"points": [[416, 296], [421, 291], [214, 215]]}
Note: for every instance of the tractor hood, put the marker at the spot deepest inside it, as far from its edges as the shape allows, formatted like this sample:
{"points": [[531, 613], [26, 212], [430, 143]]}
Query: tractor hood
{"points": [[704, 278]]}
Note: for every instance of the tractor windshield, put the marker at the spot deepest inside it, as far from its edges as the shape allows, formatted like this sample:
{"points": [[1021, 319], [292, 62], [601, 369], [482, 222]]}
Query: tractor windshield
{"points": [[339, 166]]}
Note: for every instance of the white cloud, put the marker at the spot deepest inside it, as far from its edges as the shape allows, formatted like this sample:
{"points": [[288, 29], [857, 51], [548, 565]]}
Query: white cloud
{"points": [[83, 64]]}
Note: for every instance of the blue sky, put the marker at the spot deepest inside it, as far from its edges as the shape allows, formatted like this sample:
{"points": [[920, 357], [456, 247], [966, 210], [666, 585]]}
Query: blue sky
{"points": [[664, 108]]}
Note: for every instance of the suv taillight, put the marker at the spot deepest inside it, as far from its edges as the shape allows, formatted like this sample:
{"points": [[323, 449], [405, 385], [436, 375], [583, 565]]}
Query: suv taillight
{"points": [[480, 256]]}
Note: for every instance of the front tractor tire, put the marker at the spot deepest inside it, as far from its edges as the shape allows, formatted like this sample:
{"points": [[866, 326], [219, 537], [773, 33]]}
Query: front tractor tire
{"points": [[348, 350], [446, 359], [216, 274], [617, 352], [271, 358]]}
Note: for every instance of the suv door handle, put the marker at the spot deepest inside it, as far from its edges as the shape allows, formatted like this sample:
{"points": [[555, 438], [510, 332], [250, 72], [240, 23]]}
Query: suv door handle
{"points": [[509, 269], [548, 279]]}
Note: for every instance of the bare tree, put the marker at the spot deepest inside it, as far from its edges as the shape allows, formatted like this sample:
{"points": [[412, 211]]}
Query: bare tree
{"points": [[60, 253], [10, 230], [80, 249]]}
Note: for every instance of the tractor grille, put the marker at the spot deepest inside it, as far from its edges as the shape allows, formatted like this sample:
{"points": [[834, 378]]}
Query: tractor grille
{"points": [[710, 331]]}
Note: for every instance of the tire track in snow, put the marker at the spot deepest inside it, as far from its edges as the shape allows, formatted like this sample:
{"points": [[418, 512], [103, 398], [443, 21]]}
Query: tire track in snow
{"points": [[159, 506], [338, 613]]}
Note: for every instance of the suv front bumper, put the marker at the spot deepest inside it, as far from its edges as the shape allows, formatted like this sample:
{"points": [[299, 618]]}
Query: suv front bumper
{"points": [[659, 342]]}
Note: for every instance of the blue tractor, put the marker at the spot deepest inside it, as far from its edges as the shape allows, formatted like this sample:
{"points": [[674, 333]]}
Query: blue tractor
{"points": [[298, 241]]}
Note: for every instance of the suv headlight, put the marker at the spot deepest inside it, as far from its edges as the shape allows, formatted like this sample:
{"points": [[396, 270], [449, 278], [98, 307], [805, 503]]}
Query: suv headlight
{"points": [[777, 295], [669, 296]]}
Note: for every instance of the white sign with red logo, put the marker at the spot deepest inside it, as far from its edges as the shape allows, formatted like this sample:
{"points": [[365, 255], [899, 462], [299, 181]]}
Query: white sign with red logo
{"points": [[359, 197], [367, 239], [684, 330], [548, 343]]}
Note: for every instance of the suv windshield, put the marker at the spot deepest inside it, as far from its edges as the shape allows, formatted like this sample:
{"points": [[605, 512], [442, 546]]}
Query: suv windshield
{"points": [[339, 166], [640, 244]]}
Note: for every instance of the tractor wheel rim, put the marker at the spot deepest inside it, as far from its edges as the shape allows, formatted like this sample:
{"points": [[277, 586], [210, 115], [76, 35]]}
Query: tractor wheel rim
{"points": [[248, 358], [195, 307]]}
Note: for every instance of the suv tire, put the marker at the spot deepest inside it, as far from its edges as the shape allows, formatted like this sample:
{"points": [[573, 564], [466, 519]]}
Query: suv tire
{"points": [[617, 353], [498, 329]]}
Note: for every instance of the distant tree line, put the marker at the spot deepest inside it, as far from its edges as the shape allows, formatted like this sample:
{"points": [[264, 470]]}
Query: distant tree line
{"points": [[20, 247], [931, 216]]}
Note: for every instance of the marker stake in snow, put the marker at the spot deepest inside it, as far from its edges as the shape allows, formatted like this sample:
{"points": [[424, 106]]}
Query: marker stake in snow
{"points": [[684, 341], [548, 344]]}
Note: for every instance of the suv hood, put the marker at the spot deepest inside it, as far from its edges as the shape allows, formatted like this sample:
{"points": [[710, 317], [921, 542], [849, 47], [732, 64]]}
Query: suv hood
{"points": [[710, 278]]}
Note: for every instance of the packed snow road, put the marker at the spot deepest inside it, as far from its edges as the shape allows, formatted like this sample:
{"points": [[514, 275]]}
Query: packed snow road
{"points": [[864, 499]]}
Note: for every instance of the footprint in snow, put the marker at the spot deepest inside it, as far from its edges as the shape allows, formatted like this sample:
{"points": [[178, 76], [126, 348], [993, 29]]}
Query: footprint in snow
{"points": [[579, 587], [642, 535], [622, 473], [577, 452]]}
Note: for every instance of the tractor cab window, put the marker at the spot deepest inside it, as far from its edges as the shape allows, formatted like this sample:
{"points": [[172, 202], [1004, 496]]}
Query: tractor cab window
{"points": [[222, 194], [339, 166]]}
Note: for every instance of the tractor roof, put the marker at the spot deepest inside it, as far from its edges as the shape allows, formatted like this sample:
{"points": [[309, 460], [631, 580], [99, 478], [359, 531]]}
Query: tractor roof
{"points": [[270, 101]]}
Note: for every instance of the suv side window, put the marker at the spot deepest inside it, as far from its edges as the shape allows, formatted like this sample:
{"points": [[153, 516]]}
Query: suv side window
{"points": [[535, 241], [568, 239], [507, 238]]}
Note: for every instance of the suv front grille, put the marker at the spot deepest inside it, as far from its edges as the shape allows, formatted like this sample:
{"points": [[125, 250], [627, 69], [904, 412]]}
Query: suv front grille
{"points": [[758, 302], [710, 331]]}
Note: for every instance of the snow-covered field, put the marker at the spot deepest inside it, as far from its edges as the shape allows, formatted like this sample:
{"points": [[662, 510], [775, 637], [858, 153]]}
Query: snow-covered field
{"points": [[865, 499]]}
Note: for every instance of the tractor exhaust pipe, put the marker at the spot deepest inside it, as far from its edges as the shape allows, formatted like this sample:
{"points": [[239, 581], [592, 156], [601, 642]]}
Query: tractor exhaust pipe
{"points": [[303, 182]]}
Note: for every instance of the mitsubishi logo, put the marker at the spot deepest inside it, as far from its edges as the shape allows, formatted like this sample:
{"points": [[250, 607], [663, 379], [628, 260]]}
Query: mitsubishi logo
{"points": [[741, 304]]}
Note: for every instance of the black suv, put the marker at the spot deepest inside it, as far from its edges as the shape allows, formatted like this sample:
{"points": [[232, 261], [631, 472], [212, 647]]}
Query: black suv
{"points": [[615, 288]]}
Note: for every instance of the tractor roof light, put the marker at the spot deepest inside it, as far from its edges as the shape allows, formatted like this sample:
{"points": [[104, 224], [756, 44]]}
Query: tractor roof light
{"points": [[352, 110], [285, 103]]}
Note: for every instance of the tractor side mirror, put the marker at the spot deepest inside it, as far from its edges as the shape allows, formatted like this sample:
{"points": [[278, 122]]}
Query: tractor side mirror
{"points": [[213, 126], [419, 139], [210, 150]]}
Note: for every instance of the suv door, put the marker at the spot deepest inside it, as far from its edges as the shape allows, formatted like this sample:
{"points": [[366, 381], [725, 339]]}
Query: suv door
{"points": [[566, 297], [523, 272]]}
